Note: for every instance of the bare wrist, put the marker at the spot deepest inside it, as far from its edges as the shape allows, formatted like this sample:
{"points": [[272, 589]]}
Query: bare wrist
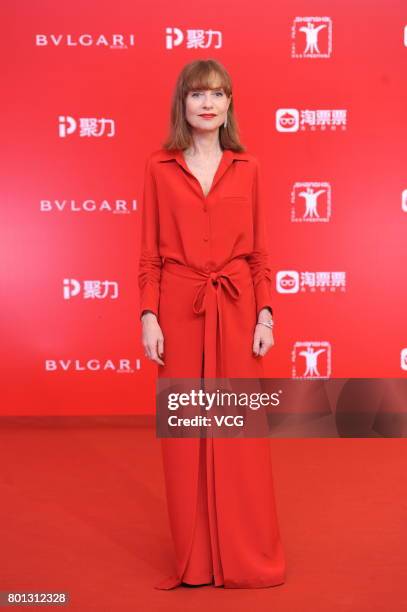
{"points": [[147, 314], [265, 318]]}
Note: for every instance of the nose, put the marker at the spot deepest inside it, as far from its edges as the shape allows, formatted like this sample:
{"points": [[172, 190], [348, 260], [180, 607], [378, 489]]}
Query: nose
{"points": [[208, 100]]}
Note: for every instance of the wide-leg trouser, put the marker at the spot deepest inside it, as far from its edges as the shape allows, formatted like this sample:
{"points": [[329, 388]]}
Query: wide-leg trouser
{"points": [[220, 492]]}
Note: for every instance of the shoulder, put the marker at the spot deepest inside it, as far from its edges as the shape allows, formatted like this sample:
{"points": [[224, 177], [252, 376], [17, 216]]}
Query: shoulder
{"points": [[160, 155], [246, 156], [251, 164], [152, 161]]}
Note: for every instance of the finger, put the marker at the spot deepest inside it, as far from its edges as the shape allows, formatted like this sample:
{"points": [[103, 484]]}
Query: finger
{"points": [[160, 350], [151, 351], [256, 343], [262, 349], [265, 346], [154, 355], [264, 343]]}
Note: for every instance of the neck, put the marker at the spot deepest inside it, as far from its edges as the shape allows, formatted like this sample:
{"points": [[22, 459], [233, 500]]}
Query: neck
{"points": [[204, 145]]}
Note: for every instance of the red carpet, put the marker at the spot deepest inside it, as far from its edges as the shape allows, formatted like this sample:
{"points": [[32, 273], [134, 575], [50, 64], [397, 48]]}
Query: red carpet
{"points": [[83, 511]]}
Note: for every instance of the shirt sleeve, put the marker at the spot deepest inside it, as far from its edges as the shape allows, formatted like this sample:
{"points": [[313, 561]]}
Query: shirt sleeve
{"points": [[259, 260], [149, 273]]}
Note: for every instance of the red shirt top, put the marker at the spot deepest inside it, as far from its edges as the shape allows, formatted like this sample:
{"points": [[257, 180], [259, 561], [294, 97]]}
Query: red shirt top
{"points": [[180, 223]]}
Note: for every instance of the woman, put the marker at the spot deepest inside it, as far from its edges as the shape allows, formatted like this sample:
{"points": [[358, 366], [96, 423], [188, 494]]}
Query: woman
{"points": [[205, 282]]}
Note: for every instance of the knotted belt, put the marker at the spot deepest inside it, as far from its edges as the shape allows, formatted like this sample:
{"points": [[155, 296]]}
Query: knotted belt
{"points": [[210, 301]]}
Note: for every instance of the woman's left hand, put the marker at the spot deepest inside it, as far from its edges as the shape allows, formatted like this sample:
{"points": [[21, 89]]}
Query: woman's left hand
{"points": [[263, 338]]}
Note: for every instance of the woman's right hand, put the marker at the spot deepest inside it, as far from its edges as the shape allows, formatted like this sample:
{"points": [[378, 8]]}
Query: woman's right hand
{"points": [[153, 339]]}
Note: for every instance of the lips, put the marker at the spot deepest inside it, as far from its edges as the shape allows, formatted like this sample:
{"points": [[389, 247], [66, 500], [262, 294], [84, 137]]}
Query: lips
{"points": [[207, 115]]}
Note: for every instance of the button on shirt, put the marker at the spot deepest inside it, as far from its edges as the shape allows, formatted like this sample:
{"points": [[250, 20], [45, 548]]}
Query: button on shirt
{"points": [[181, 224]]}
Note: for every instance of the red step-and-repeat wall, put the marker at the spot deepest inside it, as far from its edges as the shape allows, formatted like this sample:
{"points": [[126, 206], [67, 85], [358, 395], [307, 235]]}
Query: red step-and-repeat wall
{"points": [[321, 99]]}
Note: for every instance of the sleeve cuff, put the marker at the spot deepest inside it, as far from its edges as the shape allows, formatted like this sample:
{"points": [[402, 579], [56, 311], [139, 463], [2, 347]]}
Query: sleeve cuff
{"points": [[263, 295], [150, 299]]}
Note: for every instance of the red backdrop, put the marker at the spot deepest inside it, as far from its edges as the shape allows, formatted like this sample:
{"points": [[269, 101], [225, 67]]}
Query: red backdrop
{"points": [[84, 110]]}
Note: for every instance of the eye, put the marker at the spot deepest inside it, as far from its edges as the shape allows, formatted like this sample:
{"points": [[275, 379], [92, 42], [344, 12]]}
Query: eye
{"points": [[195, 93], [220, 93]]}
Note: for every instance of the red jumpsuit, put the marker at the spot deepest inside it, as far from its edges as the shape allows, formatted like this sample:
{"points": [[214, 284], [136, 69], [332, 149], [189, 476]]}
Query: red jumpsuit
{"points": [[204, 270]]}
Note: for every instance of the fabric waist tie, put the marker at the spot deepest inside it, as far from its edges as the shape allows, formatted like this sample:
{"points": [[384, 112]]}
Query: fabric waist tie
{"points": [[212, 288]]}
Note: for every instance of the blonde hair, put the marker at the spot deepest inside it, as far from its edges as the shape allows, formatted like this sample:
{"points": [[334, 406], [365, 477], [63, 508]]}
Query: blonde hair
{"points": [[201, 74]]}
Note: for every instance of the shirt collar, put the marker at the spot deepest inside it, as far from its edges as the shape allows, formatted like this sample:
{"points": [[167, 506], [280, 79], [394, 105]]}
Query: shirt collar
{"points": [[229, 155]]}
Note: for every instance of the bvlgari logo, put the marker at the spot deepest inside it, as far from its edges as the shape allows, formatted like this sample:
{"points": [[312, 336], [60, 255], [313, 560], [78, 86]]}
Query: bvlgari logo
{"points": [[107, 41], [120, 366], [117, 207]]}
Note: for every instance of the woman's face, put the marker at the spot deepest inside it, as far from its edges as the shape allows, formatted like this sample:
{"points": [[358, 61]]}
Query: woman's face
{"points": [[199, 103]]}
